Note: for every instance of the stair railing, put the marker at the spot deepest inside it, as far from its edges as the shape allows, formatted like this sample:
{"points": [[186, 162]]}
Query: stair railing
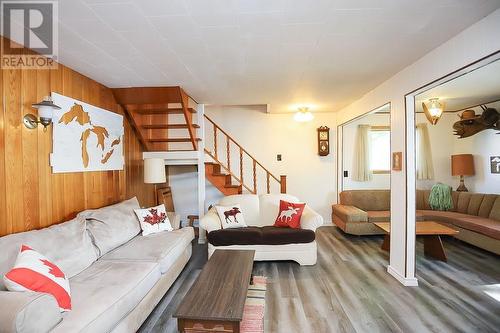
{"points": [[252, 187]]}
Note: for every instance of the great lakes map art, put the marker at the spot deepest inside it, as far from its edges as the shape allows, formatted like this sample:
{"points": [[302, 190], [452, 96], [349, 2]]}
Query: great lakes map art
{"points": [[85, 137]]}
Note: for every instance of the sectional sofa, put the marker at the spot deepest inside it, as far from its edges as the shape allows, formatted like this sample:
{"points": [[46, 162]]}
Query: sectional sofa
{"points": [[475, 215], [116, 275]]}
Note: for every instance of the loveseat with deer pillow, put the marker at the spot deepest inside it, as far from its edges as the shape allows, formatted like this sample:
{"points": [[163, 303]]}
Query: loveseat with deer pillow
{"points": [[269, 224]]}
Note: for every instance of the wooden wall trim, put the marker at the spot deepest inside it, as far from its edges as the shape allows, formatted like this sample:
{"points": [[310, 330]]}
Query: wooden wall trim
{"points": [[31, 197]]}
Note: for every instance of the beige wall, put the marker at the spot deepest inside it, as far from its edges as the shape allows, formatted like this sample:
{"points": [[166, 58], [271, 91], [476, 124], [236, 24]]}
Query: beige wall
{"points": [[310, 177], [479, 40]]}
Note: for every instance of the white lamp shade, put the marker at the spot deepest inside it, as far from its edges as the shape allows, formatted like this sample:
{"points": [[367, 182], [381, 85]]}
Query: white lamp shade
{"points": [[154, 171], [303, 116], [45, 112]]}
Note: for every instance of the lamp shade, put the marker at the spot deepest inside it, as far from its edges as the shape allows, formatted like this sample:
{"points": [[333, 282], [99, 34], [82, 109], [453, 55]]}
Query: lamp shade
{"points": [[462, 165], [154, 171]]}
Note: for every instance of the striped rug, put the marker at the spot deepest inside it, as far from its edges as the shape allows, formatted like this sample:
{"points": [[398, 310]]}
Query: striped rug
{"points": [[253, 313]]}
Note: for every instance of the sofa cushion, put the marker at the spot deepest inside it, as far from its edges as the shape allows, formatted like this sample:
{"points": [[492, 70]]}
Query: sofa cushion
{"points": [[267, 235], [475, 203], [163, 248], [349, 213], [495, 210], [269, 207], [249, 204], [105, 293], [443, 216], [26, 312], [487, 205], [67, 244], [367, 199], [114, 225], [280, 236], [485, 226], [463, 202], [240, 236], [379, 215]]}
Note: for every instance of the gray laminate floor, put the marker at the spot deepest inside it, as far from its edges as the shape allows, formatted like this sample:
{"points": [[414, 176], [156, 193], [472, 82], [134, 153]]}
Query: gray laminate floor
{"points": [[349, 290]]}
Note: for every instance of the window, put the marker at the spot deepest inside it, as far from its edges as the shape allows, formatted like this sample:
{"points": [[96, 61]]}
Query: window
{"points": [[380, 149]]}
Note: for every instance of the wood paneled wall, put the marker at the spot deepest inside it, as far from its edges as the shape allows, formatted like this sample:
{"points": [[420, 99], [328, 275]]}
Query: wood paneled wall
{"points": [[31, 196]]}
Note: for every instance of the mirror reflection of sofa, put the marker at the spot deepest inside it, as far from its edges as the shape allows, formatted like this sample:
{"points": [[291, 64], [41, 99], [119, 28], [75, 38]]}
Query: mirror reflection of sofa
{"points": [[475, 215]]}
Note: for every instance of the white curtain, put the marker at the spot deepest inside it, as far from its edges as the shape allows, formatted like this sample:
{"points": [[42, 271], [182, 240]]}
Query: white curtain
{"points": [[425, 169], [361, 167]]}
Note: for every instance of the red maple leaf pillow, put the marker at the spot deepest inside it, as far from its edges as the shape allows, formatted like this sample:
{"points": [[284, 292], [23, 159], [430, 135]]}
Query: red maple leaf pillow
{"points": [[289, 215], [153, 219], [34, 272]]}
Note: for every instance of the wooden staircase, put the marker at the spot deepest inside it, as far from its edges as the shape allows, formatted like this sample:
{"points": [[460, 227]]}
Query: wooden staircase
{"points": [[149, 108], [222, 181]]}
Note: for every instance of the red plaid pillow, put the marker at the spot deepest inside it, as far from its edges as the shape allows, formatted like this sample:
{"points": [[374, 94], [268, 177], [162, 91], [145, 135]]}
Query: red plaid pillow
{"points": [[289, 214]]}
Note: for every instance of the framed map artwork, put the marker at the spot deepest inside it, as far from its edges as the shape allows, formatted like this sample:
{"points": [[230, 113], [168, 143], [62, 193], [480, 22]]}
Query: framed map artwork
{"points": [[85, 137]]}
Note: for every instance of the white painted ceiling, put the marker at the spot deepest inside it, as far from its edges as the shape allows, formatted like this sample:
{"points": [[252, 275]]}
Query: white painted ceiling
{"points": [[325, 53], [481, 86]]}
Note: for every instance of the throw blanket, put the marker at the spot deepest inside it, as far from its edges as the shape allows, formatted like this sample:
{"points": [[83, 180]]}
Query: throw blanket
{"points": [[440, 197]]}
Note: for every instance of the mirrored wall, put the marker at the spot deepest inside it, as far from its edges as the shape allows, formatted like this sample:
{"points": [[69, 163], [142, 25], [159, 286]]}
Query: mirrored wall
{"points": [[457, 141]]}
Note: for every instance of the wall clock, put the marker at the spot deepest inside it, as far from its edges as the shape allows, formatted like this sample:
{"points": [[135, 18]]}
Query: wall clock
{"points": [[323, 141]]}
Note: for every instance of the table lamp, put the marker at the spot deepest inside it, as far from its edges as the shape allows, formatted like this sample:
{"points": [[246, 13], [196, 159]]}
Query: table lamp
{"points": [[154, 173], [462, 165]]}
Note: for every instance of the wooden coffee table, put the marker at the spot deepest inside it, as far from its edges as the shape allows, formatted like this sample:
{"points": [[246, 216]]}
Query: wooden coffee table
{"points": [[216, 300], [430, 231]]}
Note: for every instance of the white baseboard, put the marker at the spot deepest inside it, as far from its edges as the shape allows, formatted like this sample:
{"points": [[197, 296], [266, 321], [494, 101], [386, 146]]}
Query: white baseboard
{"points": [[408, 282]]}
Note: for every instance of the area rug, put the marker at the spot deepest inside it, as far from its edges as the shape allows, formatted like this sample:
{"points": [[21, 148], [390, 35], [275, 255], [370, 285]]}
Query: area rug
{"points": [[253, 313]]}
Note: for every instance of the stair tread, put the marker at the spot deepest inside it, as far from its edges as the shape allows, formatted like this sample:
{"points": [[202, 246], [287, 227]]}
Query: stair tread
{"points": [[232, 186], [168, 126], [220, 174], [160, 110], [172, 140]]}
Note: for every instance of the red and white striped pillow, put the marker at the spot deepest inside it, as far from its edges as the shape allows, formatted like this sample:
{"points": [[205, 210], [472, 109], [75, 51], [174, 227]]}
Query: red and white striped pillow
{"points": [[34, 272]]}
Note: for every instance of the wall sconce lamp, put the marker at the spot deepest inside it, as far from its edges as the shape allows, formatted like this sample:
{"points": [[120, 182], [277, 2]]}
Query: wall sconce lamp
{"points": [[434, 110], [303, 115], [45, 109]]}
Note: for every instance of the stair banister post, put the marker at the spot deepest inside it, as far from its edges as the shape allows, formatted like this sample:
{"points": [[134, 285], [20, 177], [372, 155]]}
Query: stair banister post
{"points": [[241, 166], [283, 184], [215, 141], [254, 176], [268, 182], [227, 154]]}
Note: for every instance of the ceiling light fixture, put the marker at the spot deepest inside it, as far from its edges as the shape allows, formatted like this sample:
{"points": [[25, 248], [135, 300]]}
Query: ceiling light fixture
{"points": [[303, 115], [433, 110]]}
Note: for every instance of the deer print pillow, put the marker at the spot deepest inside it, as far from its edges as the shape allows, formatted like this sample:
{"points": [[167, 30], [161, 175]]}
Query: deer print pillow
{"points": [[231, 216], [153, 219], [289, 215]]}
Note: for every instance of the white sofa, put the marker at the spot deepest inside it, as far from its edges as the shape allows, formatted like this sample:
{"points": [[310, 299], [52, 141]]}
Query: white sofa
{"points": [[116, 275], [260, 211]]}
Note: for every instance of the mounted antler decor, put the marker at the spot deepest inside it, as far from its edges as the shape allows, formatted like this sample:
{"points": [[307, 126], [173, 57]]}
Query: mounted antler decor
{"points": [[470, 124]]}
